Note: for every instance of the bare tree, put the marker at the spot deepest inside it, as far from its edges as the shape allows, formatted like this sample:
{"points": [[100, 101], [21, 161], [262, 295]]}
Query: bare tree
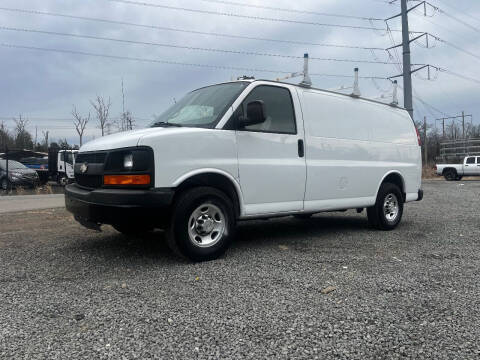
{"points": [[36, 137], [102, 108], [125, 122], [79, 122], [129, 120], [45, 138], [23, 139], [6, 140]]}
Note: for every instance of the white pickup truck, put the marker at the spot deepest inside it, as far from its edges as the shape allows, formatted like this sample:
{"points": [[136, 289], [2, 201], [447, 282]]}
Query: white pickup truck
{"points": [[470, 167]]}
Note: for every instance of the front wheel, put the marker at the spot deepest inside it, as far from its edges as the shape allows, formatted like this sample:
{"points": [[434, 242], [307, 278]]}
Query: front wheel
{"points": [[4, 184], [203, 224], [62, 180], [388, 209]]}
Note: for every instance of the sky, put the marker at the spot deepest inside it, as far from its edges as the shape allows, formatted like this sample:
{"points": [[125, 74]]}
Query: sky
{"points": [[43, 86]]}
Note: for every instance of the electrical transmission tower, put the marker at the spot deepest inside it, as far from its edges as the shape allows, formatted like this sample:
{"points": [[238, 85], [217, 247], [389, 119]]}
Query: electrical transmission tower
{"points": [[407, 67], [407, 64]]}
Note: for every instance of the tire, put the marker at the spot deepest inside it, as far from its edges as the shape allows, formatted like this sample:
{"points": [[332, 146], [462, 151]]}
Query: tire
{"points": [[387, 212], [450, 174], [62, 180], [132, 229], [4, 184], [202, 225]]}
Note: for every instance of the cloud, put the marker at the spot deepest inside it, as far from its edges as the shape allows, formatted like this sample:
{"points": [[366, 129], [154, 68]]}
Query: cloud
{"points": [[46, 84]]}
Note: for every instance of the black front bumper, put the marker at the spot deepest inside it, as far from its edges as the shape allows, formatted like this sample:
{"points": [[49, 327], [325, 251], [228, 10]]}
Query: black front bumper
{"points": [[117, 206]]}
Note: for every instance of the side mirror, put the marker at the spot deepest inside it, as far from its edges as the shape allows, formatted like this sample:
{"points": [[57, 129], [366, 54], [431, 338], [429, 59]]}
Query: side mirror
{"points": [[255, 114]]}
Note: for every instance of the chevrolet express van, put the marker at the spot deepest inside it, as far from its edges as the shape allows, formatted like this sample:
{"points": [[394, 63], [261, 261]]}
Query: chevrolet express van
{"points": [[243, 150]]}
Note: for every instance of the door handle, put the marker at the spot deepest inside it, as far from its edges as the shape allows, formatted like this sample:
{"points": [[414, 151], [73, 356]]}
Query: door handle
{"points": [[301, 148]]}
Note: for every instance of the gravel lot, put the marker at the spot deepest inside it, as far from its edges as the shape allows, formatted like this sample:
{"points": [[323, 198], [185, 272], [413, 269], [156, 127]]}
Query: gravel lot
{"points": [[67, 292]]}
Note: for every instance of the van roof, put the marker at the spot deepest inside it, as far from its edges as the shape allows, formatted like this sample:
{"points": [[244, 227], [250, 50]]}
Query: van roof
{"points": [[323, 90]]}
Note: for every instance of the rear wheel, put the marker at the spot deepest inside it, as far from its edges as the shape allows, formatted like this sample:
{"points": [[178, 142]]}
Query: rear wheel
{"points": [[450, 174], [388, 209], [203, 224]]}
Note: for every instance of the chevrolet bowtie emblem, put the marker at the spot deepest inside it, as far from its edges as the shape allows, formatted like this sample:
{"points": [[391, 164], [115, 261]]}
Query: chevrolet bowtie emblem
{"points": [[83, 168]]}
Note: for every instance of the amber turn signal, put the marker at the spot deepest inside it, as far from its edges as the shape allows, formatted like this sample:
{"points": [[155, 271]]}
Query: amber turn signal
{"points": [[126, 179]]}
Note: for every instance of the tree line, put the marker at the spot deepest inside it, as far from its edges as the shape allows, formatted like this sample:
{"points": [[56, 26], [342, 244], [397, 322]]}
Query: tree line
{"points": [[432, 136], [20, 138]]}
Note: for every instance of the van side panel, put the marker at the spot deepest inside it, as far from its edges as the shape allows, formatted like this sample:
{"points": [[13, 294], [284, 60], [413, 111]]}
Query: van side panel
{"points": [[351, 144]]}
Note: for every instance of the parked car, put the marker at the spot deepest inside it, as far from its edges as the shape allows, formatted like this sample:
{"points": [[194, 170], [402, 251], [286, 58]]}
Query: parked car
{"points": [[247, 150], [469, 167], [39, 164], [18, 175]]}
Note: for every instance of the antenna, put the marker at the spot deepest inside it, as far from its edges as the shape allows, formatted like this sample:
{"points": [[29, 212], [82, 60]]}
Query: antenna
{"points": [[307, 82], [394, 95], [356, 90]]}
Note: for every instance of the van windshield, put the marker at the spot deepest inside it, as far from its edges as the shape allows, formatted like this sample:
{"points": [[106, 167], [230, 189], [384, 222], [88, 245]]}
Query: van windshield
{"points": [[203, 107]]}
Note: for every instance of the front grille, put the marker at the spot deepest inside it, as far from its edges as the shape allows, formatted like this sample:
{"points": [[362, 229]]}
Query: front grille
{"points": [[90, 181], [91, 166], [91, 158]]}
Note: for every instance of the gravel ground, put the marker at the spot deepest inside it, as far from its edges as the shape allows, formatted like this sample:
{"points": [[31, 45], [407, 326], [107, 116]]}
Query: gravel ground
{"points": [[67, 292]]}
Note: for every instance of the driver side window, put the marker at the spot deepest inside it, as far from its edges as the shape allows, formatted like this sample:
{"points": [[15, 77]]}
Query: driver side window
{"points": [[279, 113]]}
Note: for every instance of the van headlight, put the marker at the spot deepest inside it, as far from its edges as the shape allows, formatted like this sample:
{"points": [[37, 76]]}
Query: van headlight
{"points": [[128, 161], [131, 160]]}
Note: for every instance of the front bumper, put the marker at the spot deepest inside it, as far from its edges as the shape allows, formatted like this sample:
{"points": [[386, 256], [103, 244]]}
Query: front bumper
{"points": [[24, 182], [116, 206]]}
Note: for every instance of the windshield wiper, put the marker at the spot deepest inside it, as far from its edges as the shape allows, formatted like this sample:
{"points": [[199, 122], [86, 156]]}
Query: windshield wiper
{"points": [[165, 124]]}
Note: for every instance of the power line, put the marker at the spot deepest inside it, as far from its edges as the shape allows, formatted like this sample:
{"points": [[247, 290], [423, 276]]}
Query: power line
{"points": [[307, 12], [251, 17], [464, 77], [460, 11], [167, 62], [225, 51], [163, 28], [446, 42], [426, 104], [459, 48], [441, 11], [459, 20]]}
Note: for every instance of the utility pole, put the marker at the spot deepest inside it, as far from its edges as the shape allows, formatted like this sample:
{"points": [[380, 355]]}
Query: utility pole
{"points": [[425, 145], [35, 142], [407, 74], [453, 118]]}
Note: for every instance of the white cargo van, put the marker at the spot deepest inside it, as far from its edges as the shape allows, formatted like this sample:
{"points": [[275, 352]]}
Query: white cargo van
{"points": [[246, 150]]}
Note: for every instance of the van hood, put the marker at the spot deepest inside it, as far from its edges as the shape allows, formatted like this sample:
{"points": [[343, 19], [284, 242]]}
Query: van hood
{"points": [[131, 138]]}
